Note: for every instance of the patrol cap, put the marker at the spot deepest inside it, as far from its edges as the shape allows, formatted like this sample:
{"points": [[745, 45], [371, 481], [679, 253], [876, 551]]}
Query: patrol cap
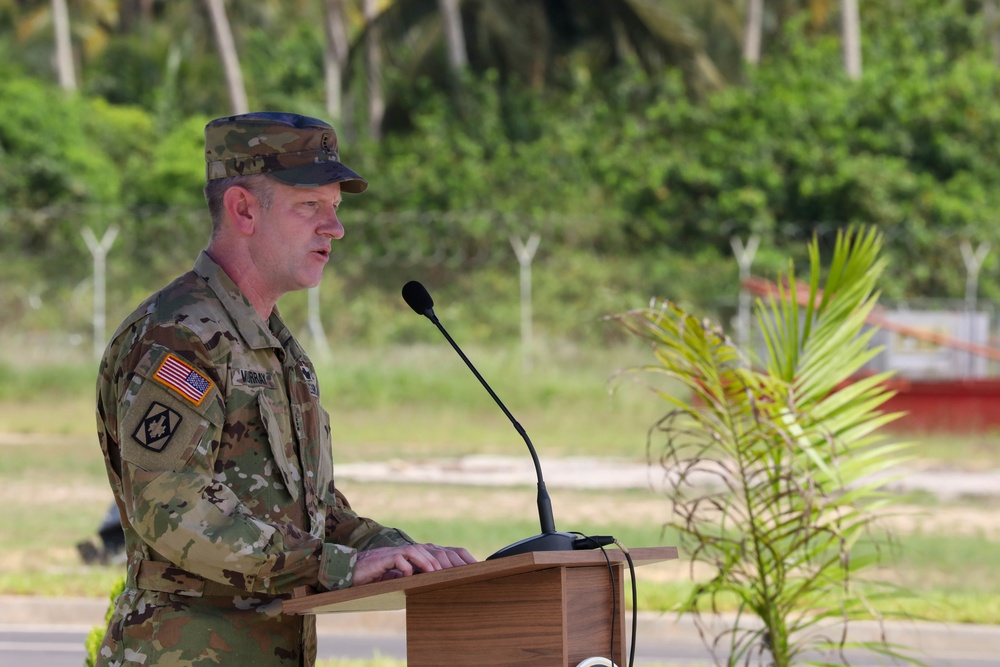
{"points": [[297, 150]]}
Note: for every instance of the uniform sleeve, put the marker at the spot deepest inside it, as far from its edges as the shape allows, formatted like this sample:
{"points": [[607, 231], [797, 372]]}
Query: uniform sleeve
{"points": [[344, 526], [169, 418]]}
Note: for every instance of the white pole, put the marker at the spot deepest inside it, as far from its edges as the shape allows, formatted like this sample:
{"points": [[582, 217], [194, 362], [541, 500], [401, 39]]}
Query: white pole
{"points": [[99, 251], [316, 332], [525, 254], [973, 263], [744, 257]]}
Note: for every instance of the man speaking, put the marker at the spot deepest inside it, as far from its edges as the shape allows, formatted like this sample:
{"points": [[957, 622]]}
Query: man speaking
{"points": [[216, 445]]}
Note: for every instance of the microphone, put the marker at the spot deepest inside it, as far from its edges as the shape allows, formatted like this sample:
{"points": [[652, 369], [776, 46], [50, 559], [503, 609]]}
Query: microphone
{"points": [[417, 297]]}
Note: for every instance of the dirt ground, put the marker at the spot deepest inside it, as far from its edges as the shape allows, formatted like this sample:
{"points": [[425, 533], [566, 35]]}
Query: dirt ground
{"points": [[584, 492]]}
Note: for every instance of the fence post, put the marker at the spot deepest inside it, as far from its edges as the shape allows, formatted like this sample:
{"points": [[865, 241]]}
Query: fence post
{"points": [[973, 263], [744, 257], [99, 251], [525, 254]]}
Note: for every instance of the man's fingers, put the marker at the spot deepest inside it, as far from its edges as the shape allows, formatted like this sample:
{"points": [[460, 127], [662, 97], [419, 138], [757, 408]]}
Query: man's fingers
{"points": [[464, 557], [418, 555], [391, 562], [451, 556]]}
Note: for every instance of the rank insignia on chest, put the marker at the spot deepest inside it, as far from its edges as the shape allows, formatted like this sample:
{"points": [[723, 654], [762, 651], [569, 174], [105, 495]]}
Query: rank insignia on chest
{"points": [[180, 376], [156, 427], [310, 379]]}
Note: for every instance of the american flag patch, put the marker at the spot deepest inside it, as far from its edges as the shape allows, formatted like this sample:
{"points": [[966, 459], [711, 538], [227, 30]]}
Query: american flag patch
{"points": [[183, 379]]}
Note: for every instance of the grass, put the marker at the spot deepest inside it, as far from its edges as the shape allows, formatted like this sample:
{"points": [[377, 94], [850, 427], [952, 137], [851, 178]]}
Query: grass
{"points": [[421, 403], [409, 402]]}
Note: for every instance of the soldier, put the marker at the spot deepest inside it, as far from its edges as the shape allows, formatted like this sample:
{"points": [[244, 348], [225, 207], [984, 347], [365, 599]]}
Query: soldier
{"points": [[216, 445]]}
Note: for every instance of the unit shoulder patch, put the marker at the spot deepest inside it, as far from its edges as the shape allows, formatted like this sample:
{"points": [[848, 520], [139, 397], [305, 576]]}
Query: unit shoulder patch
{"points": [[159, 430], [156, 427]]}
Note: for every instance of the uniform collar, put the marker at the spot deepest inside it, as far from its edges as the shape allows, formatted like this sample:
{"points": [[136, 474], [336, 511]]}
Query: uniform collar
{"points": [[248, 323]]}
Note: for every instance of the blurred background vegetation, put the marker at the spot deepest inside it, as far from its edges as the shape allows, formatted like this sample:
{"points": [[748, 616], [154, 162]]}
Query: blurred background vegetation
{"points": [[637, 138]]}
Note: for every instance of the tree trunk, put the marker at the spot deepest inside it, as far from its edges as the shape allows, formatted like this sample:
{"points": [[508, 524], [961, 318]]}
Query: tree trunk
{"points": [[373, 67], [754, 28], [992, 21], [64, 47], [227, 52], [135, 12], [451, 17], [335, 57], [851, 21]]}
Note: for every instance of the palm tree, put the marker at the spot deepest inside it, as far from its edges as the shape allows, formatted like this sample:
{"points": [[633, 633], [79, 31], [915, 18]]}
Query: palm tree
{"points": [[91, 23], [752, 36], [335, 56], [992, 20], [531, 41], [227, 53], [454, 35], [851, 36], [64, 48], [373, 69], [772, 467], [819, 13]]}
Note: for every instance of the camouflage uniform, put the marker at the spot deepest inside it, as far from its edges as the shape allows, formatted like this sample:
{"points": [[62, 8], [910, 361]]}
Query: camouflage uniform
{"points": [[218, 453]]}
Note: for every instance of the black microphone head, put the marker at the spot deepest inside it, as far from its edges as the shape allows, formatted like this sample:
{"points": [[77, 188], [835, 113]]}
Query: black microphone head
{"points": [[416, 297]]}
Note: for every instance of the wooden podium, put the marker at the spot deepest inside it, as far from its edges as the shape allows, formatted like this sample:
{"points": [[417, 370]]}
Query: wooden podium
{"points": [[538, 609]]}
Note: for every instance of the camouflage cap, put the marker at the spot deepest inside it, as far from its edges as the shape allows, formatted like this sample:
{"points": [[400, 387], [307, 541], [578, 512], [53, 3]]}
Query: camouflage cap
{"points": [[297, 150]]}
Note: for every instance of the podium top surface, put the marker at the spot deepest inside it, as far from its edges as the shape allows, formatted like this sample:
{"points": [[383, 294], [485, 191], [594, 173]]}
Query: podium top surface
{"points": [[387, 595]]}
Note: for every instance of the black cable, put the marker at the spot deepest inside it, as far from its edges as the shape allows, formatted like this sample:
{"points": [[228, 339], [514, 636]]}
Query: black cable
{"points": [[600, 542], [635, 601], [614, 603]]}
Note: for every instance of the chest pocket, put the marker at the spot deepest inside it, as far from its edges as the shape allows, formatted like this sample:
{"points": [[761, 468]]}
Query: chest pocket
{"points": [[282, 441]]}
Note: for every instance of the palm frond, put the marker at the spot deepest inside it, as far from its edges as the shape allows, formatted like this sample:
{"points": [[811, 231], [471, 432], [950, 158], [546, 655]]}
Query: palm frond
{"points": [[779, 472]]}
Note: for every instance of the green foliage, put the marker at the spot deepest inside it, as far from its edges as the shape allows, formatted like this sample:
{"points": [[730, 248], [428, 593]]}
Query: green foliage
{"points": [[94, 638], [635, 186], [772, 468]]}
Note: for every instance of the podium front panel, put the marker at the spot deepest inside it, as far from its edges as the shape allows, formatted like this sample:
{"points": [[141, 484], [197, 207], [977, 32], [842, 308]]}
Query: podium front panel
{"points": [[549, 618]]}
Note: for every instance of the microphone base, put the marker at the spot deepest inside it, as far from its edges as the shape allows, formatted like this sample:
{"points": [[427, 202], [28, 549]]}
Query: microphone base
{"points": [[543, 542]]}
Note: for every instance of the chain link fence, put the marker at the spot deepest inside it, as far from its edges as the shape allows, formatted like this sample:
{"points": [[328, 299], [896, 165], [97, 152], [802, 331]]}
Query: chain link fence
{"points": [[67, 295]]}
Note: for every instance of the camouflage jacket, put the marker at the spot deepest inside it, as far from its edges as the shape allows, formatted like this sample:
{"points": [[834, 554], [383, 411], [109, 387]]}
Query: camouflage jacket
{"points": [[218, 454]]}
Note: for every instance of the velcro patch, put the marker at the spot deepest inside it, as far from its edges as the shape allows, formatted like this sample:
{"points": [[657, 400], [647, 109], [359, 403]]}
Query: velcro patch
{"points": [[252, 378], [183, 378], [156, 427]]}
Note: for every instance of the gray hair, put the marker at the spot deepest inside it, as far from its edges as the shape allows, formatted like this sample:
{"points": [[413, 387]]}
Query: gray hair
{"points": [[215, 190]]}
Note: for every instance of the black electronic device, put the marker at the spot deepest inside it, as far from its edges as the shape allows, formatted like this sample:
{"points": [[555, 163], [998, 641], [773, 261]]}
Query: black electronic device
{"points": [[417, 297]]}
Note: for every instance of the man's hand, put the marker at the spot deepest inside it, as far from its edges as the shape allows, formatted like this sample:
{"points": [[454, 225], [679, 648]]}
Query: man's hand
{"points": [[391, 562]]}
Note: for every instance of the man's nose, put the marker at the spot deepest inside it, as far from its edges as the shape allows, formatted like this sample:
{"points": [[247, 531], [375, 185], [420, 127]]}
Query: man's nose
{"points": [[331, 226]]}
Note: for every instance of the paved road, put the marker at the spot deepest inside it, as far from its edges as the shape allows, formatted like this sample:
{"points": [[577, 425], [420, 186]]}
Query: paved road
{"points": [[62, 646], [50, 632], [601, 473]]}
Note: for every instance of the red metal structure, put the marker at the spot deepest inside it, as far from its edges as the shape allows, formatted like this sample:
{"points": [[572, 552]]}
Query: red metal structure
{"points": [[938, 405]]}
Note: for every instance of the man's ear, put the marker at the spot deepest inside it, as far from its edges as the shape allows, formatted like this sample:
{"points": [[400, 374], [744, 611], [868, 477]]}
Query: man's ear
{"points": [[242, 207]]}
